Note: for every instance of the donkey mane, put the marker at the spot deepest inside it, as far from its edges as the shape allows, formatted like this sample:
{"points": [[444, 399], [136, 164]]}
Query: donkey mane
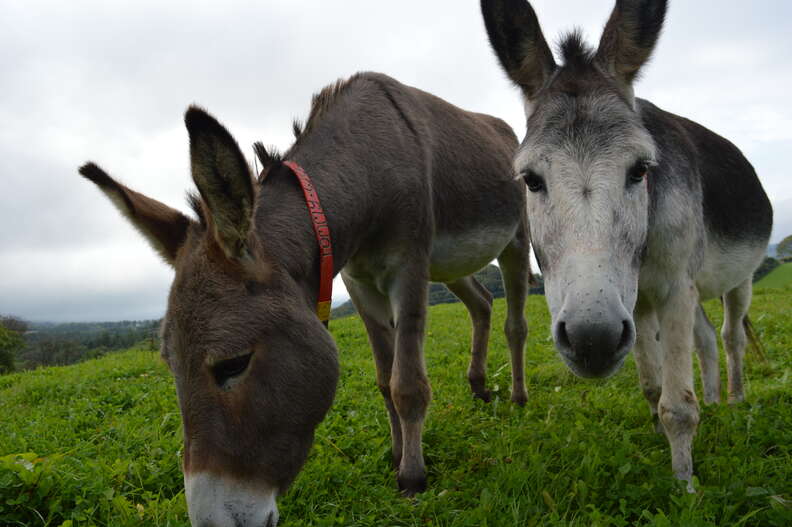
{"points": [[320, 103], [576, 53]]}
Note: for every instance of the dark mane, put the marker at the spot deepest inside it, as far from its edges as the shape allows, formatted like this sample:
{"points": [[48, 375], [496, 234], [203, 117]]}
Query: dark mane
{"points": [[320, 103], [576, 53]]}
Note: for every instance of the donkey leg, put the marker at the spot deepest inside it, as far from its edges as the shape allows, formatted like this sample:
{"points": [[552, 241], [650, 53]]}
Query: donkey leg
{"points": [[707, 350], [735, 308], [375, 310], [515, 267], [409, 383], [648, 359], [478, 301], [678, 408]]}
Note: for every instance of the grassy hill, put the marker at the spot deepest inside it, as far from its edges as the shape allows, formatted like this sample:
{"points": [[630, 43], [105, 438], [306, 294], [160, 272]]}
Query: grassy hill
{"points": [[781, 276], [98, 443]]}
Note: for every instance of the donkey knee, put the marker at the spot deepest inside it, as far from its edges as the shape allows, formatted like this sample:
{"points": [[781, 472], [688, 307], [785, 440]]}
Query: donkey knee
{"points": [[680, 419], [734, 339], [411, 399], [516, 330]]}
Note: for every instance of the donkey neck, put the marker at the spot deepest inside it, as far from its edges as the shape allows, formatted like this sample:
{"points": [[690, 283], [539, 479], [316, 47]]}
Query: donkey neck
{"points": [[284, 224]]}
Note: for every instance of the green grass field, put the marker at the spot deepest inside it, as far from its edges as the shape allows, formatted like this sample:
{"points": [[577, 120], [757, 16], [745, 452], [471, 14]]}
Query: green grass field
{"points": [[781, 276], [99, 443]]}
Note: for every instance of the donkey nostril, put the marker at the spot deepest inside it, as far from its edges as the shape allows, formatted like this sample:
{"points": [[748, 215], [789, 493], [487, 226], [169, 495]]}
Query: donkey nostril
{"points": [[626, 336], [562, 337]]}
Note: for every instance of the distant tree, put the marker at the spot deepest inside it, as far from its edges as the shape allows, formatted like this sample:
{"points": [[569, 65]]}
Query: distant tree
{"points": [[768, 265], [13, 323], [11, 343], [784, 249]]}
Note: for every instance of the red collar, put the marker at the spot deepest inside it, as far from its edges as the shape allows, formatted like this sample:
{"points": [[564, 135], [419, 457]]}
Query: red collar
{"points": [[322, 230]]}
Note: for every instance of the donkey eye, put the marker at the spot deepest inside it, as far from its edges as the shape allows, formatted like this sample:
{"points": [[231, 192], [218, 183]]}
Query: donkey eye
{"points": [[534, 181], [638, 172], [227, 370]]}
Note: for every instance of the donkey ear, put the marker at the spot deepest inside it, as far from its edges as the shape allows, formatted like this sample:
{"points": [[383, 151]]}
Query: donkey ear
{"points": [[517, 39], [164, 227], [630, 36], [223, 178]]}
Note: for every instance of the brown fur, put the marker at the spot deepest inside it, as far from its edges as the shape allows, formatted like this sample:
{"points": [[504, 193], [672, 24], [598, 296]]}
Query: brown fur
{"points": [[395, 169]]}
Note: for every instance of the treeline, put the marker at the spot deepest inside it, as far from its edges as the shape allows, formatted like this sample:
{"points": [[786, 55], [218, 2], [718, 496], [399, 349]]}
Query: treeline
{"points": [[27, 345]]}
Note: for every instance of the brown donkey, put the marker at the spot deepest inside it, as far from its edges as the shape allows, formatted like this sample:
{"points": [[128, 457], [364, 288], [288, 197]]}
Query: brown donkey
{"points": [[414, 189]]}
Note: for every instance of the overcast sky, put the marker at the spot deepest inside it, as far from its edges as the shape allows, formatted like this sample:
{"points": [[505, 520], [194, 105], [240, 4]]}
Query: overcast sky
{"points": [[110, 81]]}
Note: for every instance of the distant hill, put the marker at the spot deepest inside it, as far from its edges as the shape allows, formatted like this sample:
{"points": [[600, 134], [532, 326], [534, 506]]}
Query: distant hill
{"points": [[781, 276], [50, 344], [490, 277], [772, 250]]}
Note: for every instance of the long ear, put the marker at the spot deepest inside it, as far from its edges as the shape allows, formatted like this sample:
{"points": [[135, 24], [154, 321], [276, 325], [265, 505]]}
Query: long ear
{"points": [[517, 39], [630, 36], [223, 178], [164, 227]]}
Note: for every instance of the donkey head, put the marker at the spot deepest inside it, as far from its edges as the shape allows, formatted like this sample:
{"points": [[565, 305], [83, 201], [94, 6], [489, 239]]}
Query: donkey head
{"points": [[255, 369], [585, 158]]}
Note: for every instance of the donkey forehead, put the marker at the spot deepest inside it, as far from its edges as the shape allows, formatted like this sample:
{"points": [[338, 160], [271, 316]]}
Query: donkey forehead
{"points": [[586, 128], [212, 315]]}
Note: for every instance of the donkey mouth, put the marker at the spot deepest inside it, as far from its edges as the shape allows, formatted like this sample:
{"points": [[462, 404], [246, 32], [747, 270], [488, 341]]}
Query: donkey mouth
{"points": [[593, 369]]}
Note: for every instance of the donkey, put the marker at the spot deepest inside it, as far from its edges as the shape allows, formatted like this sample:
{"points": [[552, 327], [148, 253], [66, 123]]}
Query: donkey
{"points": [[414, 189], [635, 214]]}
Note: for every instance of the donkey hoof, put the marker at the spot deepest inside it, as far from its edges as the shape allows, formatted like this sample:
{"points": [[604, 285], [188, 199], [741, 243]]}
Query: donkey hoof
{"points": [[484, 395], [409, 487], [520, 399]]}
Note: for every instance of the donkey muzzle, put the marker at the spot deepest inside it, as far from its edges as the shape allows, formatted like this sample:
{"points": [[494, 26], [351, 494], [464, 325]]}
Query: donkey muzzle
{"points": [[594, 334], [216, 501]]}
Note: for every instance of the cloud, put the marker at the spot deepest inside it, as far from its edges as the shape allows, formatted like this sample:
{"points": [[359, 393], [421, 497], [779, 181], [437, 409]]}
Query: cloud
{"points": [[110, 81]]}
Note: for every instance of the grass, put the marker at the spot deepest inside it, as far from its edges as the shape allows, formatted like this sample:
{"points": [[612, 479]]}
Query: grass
{"points": [[781, 276], [98, 443]]}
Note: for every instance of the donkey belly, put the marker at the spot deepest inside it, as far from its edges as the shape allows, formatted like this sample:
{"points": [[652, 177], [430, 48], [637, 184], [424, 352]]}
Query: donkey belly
{"points": [[726, 265], [456, 255]]}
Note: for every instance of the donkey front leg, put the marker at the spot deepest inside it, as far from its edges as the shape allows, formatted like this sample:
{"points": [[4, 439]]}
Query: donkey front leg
{"points": [[649, 358], [409, 383], [678, 408], [375, 310], [478, 301], [515, 267]]}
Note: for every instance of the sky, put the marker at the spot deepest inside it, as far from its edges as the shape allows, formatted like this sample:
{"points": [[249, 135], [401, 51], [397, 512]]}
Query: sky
{"points": [[109, 82]]}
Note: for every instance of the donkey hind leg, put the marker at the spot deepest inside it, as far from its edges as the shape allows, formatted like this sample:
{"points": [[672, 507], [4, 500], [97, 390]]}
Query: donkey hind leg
{"points": [[515, 265], [409, 383], [648, 360], [735, 308], [706, 342], [478, 301], [375, 310], [678, 408]]}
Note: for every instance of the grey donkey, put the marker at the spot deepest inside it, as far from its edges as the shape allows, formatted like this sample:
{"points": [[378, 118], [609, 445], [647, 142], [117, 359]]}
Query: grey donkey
{"points": [[636, 215]]}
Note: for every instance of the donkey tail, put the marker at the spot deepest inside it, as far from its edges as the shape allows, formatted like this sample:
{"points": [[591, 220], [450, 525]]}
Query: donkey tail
{"points": [[754, 343]]}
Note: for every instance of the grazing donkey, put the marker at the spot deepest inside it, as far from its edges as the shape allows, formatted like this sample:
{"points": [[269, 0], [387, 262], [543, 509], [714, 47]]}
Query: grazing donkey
{"points": [[635, 214], [414, 189]]}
